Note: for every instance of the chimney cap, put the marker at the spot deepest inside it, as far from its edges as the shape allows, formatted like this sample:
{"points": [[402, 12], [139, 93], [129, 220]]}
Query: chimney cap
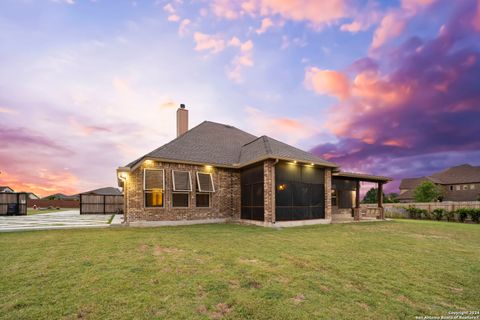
{"points": [[182, 106]]}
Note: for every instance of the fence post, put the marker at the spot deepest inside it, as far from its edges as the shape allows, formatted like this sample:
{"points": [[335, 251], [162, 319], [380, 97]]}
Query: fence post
{"points": [[104, 201]]}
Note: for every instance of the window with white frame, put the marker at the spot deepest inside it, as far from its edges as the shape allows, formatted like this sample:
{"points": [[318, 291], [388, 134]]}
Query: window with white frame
{"points": [[182, 186], [204, 188], [205, 182], [465, 187], [457, 188], [451, 188], [153, 187], [472, 186]]}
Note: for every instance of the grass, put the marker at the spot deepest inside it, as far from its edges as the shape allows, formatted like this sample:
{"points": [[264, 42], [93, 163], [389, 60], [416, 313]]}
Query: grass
{"points": [[383, 270], [31, 211]]}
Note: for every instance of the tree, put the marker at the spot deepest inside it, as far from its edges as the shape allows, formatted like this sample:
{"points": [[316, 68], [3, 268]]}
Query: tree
{"points": [[427, 191], [371, 196], [391, 198]]}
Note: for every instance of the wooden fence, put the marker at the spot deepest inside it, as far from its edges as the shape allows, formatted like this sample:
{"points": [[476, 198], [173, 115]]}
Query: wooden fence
{"points": [[398, 210], [101, 204], [13, 203], [40, 203]]}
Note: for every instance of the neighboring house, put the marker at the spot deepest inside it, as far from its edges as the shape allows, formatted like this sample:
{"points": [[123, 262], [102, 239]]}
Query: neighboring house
{"points": [[5, 189], [32, 196], [218, 173], [107, 191], [61, 196], [460, 183]]}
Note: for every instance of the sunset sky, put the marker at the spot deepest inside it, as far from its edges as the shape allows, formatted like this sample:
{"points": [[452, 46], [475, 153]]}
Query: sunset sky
{"points": [[384, 87]]}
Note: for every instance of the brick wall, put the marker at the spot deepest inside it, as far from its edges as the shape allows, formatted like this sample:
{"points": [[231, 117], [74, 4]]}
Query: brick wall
{"points": [[224, 202], [328, 193], [269, 190]]}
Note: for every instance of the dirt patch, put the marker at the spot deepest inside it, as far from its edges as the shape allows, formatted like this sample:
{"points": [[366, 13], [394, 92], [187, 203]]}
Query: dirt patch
{"points": [[221, 310], [143, 248], [83, 312], [159, 250], [248, 261], [234, 284], [299, 298]]}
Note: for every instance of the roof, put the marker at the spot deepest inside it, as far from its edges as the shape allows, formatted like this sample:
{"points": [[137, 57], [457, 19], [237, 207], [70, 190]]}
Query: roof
{"points": [[224, 145], [411, 183], [464, 173], [61, 196], [107, 191], [4, 189], [407, 195], [362, 177]]}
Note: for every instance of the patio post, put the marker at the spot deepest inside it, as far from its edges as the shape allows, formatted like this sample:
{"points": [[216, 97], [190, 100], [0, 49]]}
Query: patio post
{"points": [[356, 210], [380, 200]]}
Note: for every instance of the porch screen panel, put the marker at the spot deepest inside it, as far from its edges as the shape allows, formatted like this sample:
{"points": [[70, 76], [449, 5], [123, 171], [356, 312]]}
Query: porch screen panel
{"points": [[252, 193], [299, 192], [345, 190]]}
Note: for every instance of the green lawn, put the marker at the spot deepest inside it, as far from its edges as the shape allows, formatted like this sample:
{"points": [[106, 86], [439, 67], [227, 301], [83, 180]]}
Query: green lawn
{"points": [[383, 270]]}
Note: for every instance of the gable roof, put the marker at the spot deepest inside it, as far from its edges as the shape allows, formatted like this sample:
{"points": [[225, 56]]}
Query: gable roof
{"points": [[6, 189], [464, 173], [411, 183], [107, 191], [223, 145]]}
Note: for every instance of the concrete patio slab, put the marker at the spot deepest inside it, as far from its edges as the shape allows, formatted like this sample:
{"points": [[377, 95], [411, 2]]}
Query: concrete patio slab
{"points": [[54, 220]]}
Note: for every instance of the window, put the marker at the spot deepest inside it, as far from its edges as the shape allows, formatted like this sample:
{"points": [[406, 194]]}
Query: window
{"points": [[153, 187], [181, 181], [451, 188], [457, 188], [203, 200], [472, 186], [465, 187], [205, 182], [180, 200]]}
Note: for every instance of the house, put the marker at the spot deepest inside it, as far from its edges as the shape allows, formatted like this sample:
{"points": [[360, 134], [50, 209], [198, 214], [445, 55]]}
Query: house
{"points": [[5, 189], [107, 191], [217, 173], [61, 196], [460, 183]]}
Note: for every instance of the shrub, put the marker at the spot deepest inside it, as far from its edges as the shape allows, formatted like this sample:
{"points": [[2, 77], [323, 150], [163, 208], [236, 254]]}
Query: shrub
{"points": [[450, 215], [462, 214], [439, 213], [412, 212], [474, 215], [424, 214]]}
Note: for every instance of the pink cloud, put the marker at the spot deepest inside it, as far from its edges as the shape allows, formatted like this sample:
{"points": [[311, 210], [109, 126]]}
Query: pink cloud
{"points": [[327, 82], [207, 42], [317, 13], [390, 27]]}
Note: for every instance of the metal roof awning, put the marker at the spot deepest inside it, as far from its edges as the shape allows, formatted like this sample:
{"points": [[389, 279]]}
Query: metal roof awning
{"points": [[361, 177]]}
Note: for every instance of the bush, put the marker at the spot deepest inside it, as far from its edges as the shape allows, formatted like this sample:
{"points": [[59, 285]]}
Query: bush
{"points": [[475, 215], [424, 214], [450, 215], [439, 213], [462, 214]]}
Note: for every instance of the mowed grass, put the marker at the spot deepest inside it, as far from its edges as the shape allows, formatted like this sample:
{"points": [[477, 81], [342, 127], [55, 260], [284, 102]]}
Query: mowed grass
{"points": [[379, 270]]}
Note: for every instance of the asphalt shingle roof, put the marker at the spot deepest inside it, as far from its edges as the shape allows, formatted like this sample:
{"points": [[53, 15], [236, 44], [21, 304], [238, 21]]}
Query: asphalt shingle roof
{"points": [[220, 144], [464, 173], [107, 191]]}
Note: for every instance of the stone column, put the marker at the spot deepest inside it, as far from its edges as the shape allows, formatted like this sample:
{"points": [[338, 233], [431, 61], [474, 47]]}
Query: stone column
{"points": [[269, 191], [380, 200], [356, 210], [328, 193]]}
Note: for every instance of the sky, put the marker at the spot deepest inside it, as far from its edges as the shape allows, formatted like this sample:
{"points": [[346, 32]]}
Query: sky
{"points": [[382, 87]]}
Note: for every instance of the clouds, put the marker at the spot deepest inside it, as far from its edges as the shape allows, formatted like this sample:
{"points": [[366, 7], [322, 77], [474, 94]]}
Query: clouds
{"points": [[423, 103], [207, 42], [317, 13]]}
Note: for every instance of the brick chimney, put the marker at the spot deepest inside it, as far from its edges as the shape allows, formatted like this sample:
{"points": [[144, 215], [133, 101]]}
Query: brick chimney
{"points": [[182, 120]]}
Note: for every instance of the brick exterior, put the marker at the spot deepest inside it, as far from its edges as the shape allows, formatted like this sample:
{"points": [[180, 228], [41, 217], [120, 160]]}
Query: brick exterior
{"points": [[224, 202], [328, 193], [269, 191]]}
